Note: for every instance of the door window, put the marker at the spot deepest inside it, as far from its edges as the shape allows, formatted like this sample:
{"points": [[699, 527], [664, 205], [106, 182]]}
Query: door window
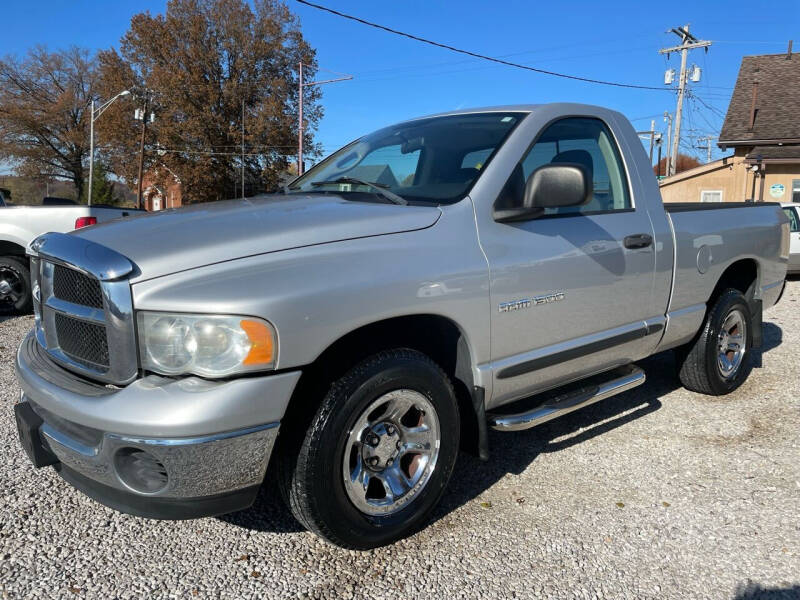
{"points": [[577, 140], [795, 190], [792, 214]]}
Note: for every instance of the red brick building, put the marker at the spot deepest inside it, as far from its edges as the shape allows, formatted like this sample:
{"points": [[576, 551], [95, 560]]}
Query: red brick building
{"points": [[161, 189]]}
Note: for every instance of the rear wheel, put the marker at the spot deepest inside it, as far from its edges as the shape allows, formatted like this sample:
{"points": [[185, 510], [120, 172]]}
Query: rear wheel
{"points": [[718, 360], [377, 455], [15, 286]]}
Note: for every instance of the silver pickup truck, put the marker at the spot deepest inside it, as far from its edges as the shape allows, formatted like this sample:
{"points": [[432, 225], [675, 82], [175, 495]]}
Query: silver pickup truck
{"points": [[491, 268], [19, 225]]}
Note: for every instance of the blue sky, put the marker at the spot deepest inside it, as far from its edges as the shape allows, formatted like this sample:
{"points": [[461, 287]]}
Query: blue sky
{"points": [[397, 78]]}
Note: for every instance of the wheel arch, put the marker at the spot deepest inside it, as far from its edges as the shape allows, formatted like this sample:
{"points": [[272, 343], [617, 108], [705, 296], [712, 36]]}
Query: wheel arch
{"points": [[437, 336], [9, 248], [743, 275]]}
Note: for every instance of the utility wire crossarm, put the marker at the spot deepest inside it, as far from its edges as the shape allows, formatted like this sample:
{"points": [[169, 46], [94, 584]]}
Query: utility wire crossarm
{"points": [[301, 126]]}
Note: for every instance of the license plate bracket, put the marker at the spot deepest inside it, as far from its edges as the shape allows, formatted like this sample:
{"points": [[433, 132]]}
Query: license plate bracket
{"points": [[28, 423]]}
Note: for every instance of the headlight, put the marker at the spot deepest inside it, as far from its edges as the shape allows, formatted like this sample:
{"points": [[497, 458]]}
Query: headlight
{"points": [[206, 345]]}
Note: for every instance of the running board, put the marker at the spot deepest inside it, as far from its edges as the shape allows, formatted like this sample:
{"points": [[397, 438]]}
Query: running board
{"points": [[552, 405]]}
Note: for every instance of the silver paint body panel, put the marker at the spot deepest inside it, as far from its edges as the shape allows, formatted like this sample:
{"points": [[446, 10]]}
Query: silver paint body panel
{"points": [[319, 267]]}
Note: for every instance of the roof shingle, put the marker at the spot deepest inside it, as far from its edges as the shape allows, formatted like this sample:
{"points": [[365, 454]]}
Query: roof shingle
{"points": [[777, 101]]}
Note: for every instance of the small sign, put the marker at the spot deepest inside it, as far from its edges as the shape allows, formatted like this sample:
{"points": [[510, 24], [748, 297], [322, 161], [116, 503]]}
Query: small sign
{"points": [[776, 190]]}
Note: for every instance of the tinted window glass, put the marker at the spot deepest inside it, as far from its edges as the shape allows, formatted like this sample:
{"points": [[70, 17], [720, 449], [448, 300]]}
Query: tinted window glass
{"points": [[432, 160], [588, 143]]}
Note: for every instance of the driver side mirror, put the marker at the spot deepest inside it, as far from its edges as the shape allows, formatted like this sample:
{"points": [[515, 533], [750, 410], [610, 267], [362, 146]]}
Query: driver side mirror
{"points": [[549, 186]]}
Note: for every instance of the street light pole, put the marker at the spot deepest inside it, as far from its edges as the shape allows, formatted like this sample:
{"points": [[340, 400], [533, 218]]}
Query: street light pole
{"points": [[91, 155], [93, 116]]}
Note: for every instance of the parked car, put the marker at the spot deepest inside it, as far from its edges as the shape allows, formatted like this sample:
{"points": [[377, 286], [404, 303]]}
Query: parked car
{"points": [[19, 225], [510, 267], [790, 209]]}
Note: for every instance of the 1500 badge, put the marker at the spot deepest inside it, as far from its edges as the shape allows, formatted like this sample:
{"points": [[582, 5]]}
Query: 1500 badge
{"points": [[528, 302]]}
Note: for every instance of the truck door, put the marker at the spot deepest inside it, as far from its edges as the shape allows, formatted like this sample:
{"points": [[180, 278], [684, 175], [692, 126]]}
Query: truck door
{"points": [[571, 291]]}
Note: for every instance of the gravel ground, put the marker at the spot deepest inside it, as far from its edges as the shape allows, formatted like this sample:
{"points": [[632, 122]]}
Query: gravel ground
{"points": [[657, 493]]}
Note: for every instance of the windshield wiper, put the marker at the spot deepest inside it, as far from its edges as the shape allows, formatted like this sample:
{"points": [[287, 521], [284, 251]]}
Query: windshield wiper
{"points": [[379, 187]]}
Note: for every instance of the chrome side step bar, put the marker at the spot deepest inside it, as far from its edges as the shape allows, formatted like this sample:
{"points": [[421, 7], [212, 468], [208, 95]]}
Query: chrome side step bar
{"points": [[570, 399]]}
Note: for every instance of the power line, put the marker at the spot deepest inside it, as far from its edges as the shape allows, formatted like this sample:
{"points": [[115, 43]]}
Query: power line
{"points": [[475, 54]]}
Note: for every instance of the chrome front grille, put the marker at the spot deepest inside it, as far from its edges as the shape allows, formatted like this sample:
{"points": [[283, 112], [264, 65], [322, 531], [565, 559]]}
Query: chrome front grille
{"points": [[73, 286], [84, 342], [83, 307]]}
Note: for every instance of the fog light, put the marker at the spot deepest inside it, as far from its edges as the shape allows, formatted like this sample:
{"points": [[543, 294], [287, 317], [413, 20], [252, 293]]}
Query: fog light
{"points": [[140, 470]]}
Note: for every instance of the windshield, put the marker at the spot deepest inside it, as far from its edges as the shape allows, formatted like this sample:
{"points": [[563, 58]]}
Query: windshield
{"points": [[434, 160]]}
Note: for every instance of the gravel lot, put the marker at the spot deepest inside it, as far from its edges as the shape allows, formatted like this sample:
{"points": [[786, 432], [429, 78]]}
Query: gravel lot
{"points": [[657, 493]]}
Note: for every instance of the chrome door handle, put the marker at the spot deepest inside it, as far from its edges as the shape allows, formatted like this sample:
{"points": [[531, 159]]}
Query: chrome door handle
{"points": [[638, 240]]}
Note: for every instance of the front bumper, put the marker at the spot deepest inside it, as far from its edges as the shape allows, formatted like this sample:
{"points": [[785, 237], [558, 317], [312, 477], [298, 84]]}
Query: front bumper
{"points": [[157, 448]]}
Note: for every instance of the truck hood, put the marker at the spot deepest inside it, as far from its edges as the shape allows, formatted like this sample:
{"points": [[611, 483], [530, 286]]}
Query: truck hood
{"points": [[185, 238]]}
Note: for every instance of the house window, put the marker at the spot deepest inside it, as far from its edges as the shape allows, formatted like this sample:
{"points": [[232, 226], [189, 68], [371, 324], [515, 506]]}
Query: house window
{"points": [[795, 190], [711, 196]]}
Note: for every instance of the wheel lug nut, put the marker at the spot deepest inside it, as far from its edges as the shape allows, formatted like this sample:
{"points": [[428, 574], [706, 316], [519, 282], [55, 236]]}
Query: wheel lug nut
{"points": [[389, 429], [373, 460], [389, 462]]}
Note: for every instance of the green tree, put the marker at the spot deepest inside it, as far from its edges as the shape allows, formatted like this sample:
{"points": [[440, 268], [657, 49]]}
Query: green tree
{"points": [[197, 65], [102, 186]]}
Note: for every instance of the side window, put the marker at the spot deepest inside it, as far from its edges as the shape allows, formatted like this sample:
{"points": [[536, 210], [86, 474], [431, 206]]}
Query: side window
{"points": [[793, 225], [795, 190], [583, 141], [711, 196]]}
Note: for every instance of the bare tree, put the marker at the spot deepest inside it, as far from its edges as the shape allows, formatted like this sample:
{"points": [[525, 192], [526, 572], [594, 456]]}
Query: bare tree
{"points": [[44, 112], [202, 65]]}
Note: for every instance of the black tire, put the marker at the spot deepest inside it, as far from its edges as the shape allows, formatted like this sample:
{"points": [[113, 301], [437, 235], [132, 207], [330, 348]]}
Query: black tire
{"points": [[15, 274], [698, 363], [311, 472]]}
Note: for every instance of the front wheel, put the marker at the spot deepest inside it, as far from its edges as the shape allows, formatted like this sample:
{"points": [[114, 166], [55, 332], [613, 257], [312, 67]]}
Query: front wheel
{"points": [[718, 360], [378, 454]]}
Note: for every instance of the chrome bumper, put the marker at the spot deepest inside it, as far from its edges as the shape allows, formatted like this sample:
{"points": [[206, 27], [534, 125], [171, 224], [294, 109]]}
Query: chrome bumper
{"points": [[169, 430], [194, 467]]}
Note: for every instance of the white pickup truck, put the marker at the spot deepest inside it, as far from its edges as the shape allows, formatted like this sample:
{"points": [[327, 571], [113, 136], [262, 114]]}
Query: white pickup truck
{"points": [[21, 224]]}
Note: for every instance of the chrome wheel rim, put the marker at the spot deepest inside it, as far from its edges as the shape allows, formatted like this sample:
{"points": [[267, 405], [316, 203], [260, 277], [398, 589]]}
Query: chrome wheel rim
{"points": [[391, 452], [732, 344], [11, 286]]}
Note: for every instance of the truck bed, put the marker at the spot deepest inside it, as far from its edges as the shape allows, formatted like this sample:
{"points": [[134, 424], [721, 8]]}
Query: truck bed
{"points": [[675, 207]]}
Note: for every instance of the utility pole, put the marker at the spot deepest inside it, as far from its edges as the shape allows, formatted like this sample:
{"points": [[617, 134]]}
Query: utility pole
{"points": [[652, 139], [242, 148], [658, 163], [688, 42], [668, 121], [707, 147], [301, 124], [141, 152]]}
